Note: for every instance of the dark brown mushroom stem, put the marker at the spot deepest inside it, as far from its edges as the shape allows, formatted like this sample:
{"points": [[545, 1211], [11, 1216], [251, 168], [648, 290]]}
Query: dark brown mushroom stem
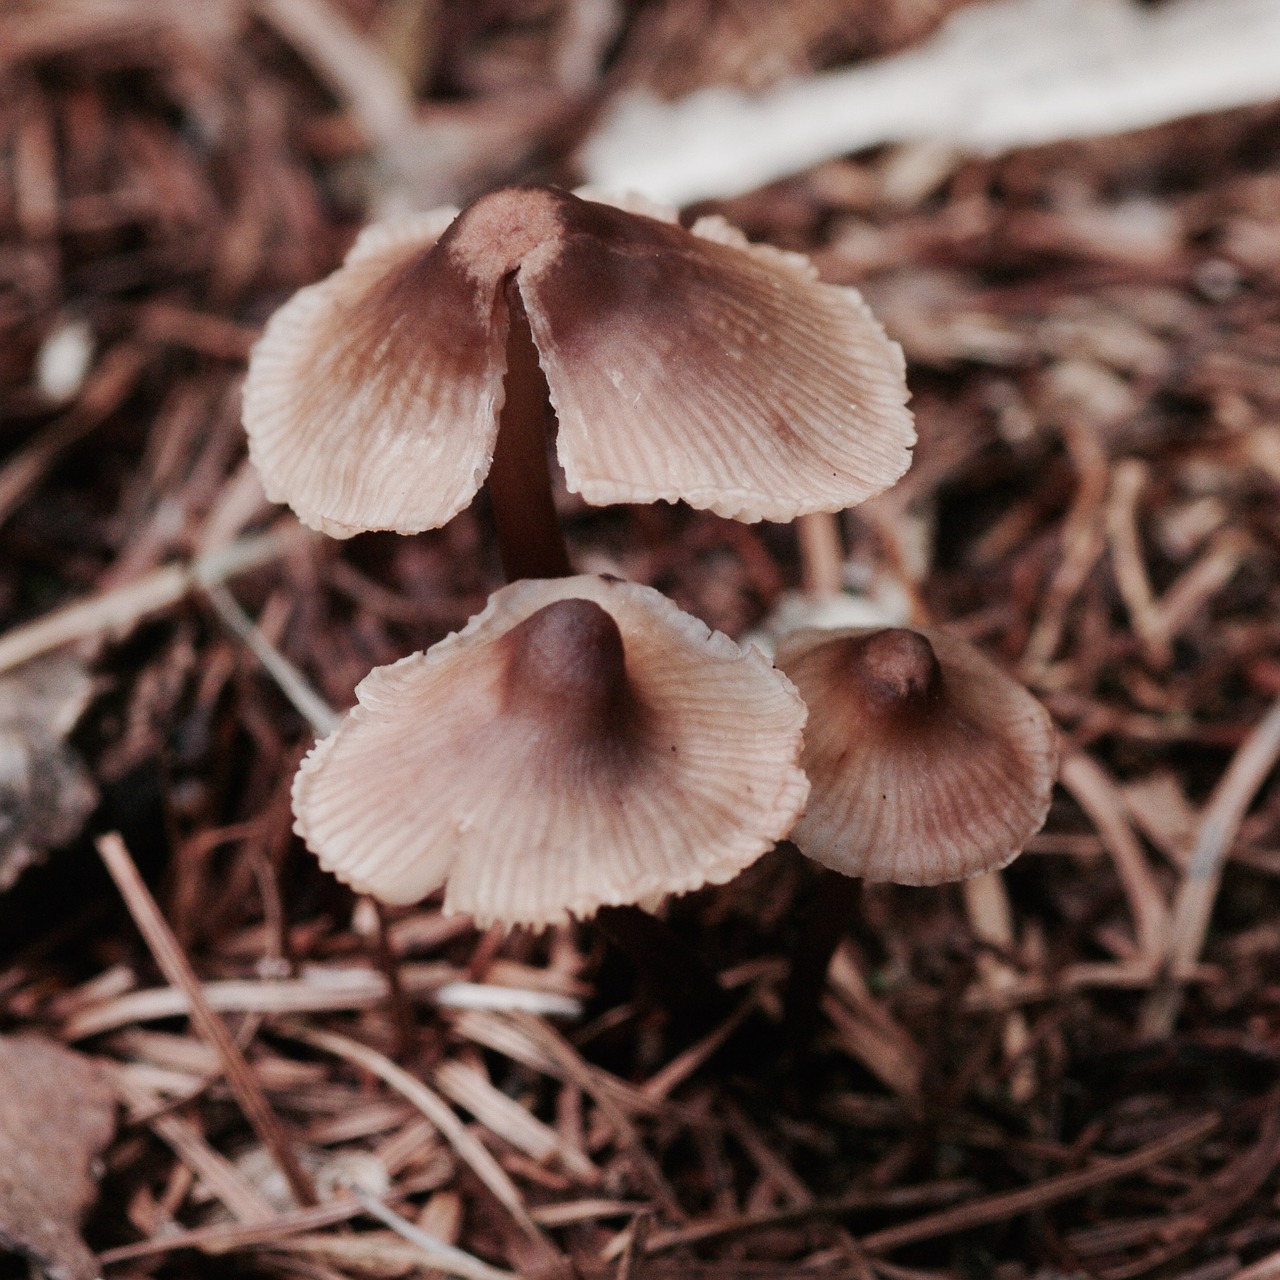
{"points": [[553, 668], [530, 541], [821, 554], [402, 1016], [532, 545], [823, 924], [670, 972]]}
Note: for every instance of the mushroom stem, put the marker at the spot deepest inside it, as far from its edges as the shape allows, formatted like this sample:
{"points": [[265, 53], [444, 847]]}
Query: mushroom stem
{"points": [[671, 972], [825, 922], [821, 554], [530, 542], [385, 957]]}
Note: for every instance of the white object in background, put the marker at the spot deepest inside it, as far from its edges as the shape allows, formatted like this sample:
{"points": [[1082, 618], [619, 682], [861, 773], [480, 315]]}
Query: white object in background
{"points": [[885, 605], [64, 360], [997, 76], [478, 995]]}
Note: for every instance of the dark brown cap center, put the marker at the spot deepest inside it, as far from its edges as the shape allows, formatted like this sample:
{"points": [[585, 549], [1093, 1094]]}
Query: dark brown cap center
{"points": [[567, 666], [896, 666]]}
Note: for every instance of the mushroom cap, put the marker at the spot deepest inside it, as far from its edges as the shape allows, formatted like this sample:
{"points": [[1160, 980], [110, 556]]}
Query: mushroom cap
{"points": [[580, 743], [682, 364], [927, 762]]}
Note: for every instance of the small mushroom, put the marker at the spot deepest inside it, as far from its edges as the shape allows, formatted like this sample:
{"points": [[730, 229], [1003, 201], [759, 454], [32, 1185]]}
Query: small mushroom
{"points": [[580, 743], [682, 365], [928, 763]]}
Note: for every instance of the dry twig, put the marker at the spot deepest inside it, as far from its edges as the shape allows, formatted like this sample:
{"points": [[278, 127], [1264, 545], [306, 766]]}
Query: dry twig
{"points": [[177, 968]]}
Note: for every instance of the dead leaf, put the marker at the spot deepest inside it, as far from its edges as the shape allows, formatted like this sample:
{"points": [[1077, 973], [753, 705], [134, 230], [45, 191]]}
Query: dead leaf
{"points": [[57, 1112]]}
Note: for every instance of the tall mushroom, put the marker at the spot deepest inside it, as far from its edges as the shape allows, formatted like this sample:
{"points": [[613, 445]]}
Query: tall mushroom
{"points": [[581, 743], [682, 365], [927, 764]]}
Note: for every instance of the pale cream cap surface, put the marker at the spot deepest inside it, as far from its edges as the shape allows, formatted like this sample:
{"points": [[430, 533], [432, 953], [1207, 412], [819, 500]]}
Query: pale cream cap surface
{"points": [[535, 780], [683, 365], [927, 762]]}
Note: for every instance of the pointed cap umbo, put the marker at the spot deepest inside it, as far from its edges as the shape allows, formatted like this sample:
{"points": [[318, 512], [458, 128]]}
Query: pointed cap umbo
{"points": [[580, 743], [682, 364], [927, 762]]}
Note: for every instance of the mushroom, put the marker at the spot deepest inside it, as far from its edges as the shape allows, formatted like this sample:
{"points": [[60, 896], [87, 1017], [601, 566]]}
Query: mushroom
{"points": [[927, 764], [682, 365], [580, 743]]}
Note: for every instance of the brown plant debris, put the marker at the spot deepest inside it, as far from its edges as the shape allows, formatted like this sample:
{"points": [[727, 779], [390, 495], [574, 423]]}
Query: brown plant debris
{"points": [[57, 1113], [1068, 1070]]}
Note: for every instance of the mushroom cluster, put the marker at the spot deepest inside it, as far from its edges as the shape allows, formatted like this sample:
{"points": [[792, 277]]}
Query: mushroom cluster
{"points": [[582, 743]]}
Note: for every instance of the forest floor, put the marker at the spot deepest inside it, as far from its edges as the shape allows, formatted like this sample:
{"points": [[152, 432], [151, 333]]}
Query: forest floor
{"points": [[1010, 1079]]}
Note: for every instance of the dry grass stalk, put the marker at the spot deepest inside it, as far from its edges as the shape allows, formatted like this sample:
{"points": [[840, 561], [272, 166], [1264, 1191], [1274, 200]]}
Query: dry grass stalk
{"points": [[867, 1032], [177, 968], [102, 394], [1219, 823], [991, 914], [1001, 1207], [468, 1088], [434, 1109], [453, 1261], [1083, 541], [603, 1090], [241, 1198], [227, 1237], [318, 713], [1128, 480], [116, 612], [353, 67], [1098, 796], [319, 991]]}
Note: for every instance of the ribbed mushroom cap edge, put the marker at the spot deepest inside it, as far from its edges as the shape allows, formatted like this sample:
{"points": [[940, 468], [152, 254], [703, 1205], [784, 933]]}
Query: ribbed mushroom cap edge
{"points": [[347, 422], [727, 377], [683, 365]]}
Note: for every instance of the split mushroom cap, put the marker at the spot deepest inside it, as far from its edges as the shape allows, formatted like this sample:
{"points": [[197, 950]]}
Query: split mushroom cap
{"points": [[682, 365], [580, 743], [927, 762]]}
